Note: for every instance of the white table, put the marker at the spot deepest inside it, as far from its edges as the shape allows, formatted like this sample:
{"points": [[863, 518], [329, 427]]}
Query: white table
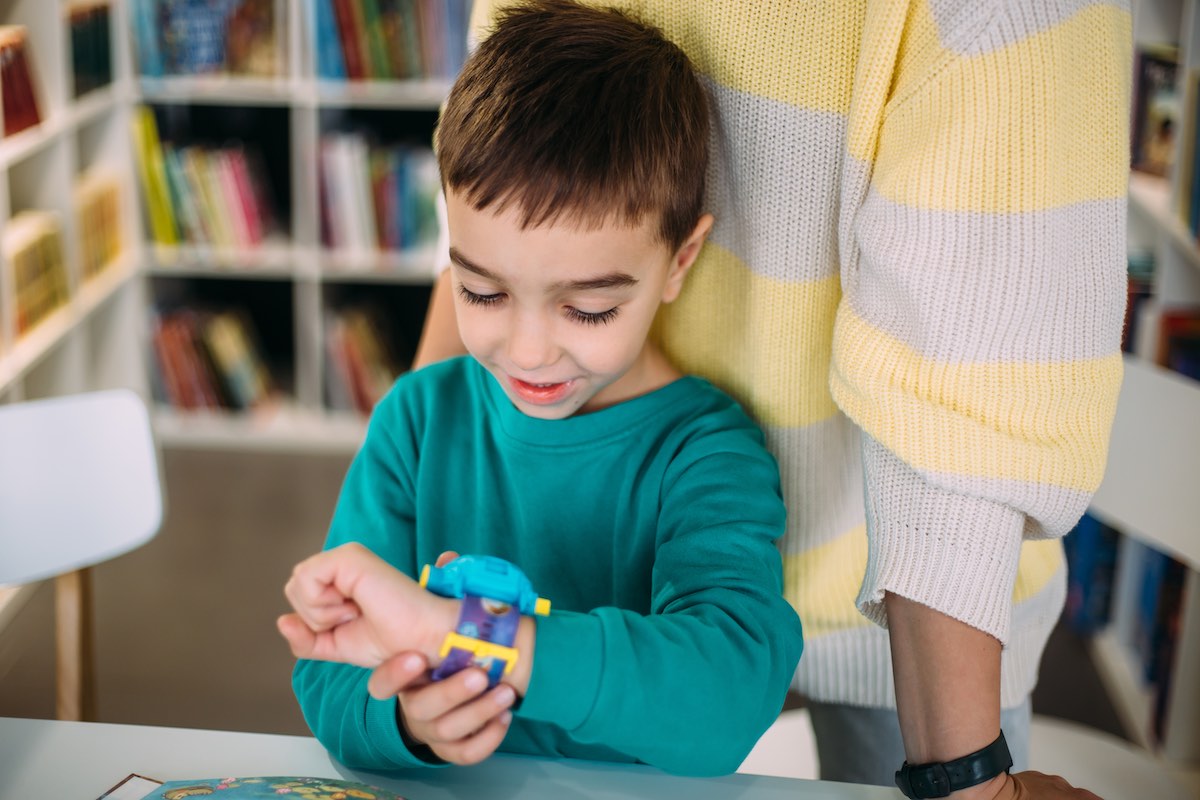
{"points": [[80, 760]]}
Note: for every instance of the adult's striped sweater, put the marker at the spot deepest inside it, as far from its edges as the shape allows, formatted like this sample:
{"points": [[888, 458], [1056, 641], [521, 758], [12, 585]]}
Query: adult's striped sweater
{"points": [[916, 284]]}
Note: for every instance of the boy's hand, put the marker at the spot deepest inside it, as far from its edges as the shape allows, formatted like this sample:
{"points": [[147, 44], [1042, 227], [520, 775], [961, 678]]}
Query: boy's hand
{"points": [[452, 717], [458, 720], [352, 606]]}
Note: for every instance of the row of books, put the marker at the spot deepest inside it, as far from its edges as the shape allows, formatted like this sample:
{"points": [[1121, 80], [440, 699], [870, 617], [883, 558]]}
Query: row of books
{"points": [[33, 251], [17, 86], [1167, 335], [201, 195], [91, 45], [390, 39], [376, 196], [208, 360], [32, 245], [187, 37], [362, 363], [1115, 582], [97, 199]]}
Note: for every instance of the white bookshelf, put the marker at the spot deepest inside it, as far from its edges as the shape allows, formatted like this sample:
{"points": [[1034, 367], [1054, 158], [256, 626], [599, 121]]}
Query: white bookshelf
{"points": [[1148, 491], [294, 262], [96, 340]]}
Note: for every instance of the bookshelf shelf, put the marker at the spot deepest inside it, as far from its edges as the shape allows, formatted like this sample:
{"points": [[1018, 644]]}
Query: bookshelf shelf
{"points": [[412, 267], [410, 94], [274, 258], [218, 90], [284, 428]]}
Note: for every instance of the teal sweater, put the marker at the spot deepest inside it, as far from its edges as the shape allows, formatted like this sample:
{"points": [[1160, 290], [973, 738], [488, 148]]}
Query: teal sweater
{"points": [[651, 527]]}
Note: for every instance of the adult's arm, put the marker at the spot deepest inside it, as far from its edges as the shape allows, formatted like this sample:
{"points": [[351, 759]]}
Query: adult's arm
{"points": [[977, 342]]}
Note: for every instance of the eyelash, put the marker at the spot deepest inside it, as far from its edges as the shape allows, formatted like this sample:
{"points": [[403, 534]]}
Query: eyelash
{"points": [[574, 314]]}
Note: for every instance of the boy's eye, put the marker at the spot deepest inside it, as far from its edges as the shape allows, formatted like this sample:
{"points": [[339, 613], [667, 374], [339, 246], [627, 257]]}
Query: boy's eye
{"points": [[478, 299], [592, 317]]}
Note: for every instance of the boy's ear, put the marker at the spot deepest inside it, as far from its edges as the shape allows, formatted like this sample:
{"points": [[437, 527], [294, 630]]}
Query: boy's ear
{"points": [[685, 256]]}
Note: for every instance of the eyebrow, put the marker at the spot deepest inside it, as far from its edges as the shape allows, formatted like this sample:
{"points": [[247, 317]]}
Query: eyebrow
{"points": [[610, 280]]}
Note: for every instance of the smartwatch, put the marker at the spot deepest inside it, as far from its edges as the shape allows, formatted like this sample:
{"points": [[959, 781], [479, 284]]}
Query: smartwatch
{"points": [[940, 779], [495, 595]]}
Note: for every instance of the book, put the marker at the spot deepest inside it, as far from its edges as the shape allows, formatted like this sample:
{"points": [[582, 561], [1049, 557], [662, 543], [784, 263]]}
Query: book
{"points": [[20, 102], [32, 247], [97, 200], [330, 64], [203, 37], [139, 787], [1091, 552], [91, 48], [152, 170], [390, 39], [1155, 123]]}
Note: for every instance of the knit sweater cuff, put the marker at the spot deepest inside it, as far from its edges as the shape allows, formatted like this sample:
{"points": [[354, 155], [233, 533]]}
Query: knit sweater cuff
{"points": [[955, 553]]}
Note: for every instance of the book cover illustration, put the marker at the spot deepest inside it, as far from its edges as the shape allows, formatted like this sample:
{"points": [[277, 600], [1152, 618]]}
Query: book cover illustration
{"points": [[275, 788]]}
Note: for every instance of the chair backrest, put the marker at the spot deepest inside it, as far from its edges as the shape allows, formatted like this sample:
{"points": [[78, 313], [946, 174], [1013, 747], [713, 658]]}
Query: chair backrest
{"points": [[79, 483]]}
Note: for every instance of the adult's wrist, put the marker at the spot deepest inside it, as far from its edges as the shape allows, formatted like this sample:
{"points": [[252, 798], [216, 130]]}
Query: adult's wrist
{"points": [[956, 776]]}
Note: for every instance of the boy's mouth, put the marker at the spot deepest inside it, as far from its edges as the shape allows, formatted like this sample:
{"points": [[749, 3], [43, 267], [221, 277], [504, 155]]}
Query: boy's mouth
{"points": [[539, 393]]}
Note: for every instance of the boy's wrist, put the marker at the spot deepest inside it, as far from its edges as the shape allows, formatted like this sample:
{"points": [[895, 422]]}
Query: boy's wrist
{"points": [[444, 620]]}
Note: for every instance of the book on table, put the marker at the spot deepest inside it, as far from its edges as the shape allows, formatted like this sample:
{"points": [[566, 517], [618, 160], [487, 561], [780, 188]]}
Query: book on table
{"points": [[140, 787]]}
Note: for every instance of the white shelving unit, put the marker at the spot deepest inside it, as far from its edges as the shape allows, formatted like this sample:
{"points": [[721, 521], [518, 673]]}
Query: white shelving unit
{"points": [[96, 340], [295, 262], [1149, 488]]}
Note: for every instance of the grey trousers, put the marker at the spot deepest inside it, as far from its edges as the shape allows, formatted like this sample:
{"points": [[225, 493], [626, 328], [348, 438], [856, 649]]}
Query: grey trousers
{"points": [[863, 745]]}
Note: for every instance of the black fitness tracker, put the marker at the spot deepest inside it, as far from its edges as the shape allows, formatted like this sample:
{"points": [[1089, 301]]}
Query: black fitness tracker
{"points": [[920, 781]]}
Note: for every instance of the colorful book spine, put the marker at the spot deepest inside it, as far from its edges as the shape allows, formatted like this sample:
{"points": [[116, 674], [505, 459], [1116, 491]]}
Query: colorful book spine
{"points": [[152, 170], [91, 45], [330, 63], [390, 39], [20, 104]]}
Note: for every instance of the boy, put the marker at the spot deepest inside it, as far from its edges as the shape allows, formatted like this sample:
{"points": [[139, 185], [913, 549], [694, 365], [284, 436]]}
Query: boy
{"points": [[642, 503]]}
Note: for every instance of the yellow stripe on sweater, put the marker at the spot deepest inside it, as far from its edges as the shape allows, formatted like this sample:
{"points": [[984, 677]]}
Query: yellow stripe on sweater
{"points": [[1044, 423], [1040, 561], [765, 341], [948, 144], [822, 584]]}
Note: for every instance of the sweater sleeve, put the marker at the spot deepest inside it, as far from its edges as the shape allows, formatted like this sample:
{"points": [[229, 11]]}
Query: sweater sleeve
{"points": [[709, 666], [983, 267], [375, 508]]}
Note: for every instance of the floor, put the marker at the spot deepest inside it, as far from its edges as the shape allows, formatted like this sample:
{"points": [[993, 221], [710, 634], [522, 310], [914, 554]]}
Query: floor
{"points": [[185, 625]]}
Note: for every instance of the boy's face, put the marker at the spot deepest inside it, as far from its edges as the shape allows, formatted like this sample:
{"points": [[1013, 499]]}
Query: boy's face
{"points": [[559, 315]]}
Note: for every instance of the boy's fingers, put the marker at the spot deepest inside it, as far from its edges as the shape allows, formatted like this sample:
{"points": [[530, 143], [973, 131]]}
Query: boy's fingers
{"points": [[299, 637], [466, 720], [429, 703], [445, 558], [397, 674], [477, 747]]}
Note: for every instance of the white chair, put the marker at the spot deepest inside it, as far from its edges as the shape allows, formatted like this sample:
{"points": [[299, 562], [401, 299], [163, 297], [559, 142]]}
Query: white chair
{"points": [[79, 485]]}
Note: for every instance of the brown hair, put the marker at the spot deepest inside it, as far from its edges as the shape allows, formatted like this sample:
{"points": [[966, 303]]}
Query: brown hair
{"points": [[579, 113]]}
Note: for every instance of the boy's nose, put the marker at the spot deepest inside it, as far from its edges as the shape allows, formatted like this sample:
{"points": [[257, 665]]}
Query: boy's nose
{"points": [[530, 345]]}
